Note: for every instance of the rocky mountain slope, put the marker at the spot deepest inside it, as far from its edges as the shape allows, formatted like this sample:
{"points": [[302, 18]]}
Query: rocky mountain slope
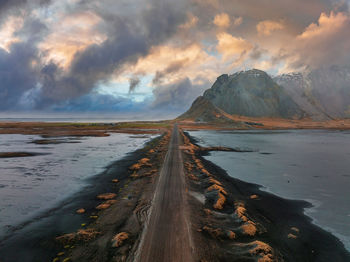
{"points": [[202, 110], [251, 93], [323, 93]]}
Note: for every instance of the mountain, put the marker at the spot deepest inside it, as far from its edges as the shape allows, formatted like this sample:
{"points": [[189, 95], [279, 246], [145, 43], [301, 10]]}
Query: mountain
{"points": [[202, 110], [324, 93], [296, 87], [251, 93], [321, 94]]}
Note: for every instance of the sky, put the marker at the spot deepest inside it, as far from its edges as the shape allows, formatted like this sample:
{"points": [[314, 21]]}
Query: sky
{"points": [[155, 56]]}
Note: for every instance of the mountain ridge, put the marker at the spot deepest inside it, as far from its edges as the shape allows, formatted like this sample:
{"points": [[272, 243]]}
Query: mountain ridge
{"points": [[251, 93]]}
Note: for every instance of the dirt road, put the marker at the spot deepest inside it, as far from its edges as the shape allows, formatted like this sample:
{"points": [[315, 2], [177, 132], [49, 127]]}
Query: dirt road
{"points": [[167, 236]]}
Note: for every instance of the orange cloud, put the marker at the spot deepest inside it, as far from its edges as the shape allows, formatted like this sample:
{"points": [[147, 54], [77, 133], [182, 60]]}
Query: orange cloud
{"points": [[74, 33], [222, 20], [230, 46], [8, 30], [191, 21], [324, 43], [266, 27], [327, 25]]}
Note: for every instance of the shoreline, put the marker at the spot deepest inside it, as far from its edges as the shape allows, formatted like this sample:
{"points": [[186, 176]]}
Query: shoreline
{"points": [[313, 243], [35, 239], [308, 211]]}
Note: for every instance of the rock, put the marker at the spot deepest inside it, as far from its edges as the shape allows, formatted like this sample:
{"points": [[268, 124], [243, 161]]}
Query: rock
{"points": [[107, 196], [254, 197], [80, 211], [292, 236], [217, 198], [220, 201], [81, 235], [263, 250], [119, 239], [241, 213], [295, 229], [208, 211], [218, 188], [103, 206], [249, 228], [231, 234], [213, 232]]}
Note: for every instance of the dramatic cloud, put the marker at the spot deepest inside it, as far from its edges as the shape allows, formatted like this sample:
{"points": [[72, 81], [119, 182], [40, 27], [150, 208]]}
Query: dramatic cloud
{"points": [[266, 27], [133, 83], [62, 54], [125, 43], [326, 42], [62, 43], [222, 20], [16, 73], [190, 23], [8, 30], [172, 68], [178, 95], [96, 102], [230, 46]]}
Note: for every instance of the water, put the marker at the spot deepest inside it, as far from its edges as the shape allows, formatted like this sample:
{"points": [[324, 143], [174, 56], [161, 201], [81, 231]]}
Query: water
{"points": [[84, 117], [31, 185], [309, 165]]}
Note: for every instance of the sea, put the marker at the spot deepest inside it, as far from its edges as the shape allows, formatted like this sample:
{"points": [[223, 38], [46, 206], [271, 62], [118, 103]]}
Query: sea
{"points": [[30, 186], [310, 165]]}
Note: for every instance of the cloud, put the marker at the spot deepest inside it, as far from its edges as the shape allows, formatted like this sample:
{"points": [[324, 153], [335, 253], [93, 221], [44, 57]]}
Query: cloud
{"points": [[266, 27], [326, 42], [95, 102], [9, 4], [133, 83], [177, 96], [191, 22], [237, 21], [230, 46], [173, 67], [126, 42], [74, 33], [222, 20], [170, 63], [17, 74], [8, 30]]}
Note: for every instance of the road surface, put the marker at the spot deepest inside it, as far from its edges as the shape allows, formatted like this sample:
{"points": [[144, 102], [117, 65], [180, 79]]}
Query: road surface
{"points": [[166, 236]]}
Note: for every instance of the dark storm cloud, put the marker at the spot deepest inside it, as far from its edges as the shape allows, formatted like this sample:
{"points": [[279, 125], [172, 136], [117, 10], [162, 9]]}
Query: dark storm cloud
{"points": [[127, 41], [177, 96], [16, 74], [96, 102], [172, 68], [133, 83], [256, 53], [9, 5]]}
